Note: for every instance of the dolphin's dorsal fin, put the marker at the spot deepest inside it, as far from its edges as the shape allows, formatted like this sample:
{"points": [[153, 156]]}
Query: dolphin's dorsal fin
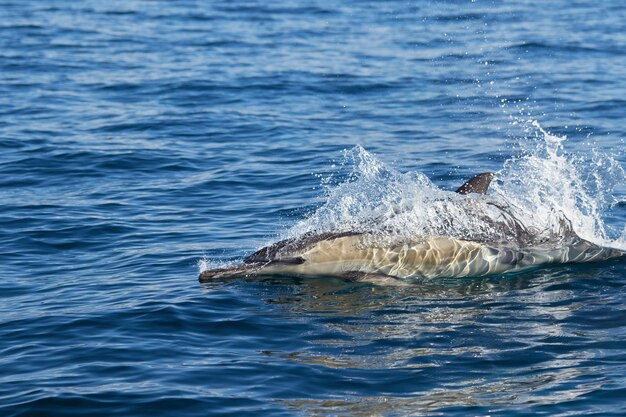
{"points": [[479, 184]]}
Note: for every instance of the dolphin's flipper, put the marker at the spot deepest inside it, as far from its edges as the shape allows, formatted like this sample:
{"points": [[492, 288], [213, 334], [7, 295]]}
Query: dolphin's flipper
{"points": [[479, 184], [377, 279]]}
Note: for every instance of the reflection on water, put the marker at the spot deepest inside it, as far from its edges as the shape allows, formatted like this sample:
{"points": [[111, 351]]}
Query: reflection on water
{"points": [[439, 345], [559, 384]]}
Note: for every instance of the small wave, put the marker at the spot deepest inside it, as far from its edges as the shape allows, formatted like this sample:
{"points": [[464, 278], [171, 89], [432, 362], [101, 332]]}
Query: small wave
{"points": [[543, 46]]}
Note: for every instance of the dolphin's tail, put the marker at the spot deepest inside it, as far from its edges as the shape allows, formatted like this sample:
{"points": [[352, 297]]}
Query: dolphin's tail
{"points": [[590, 252], [616, 254]]}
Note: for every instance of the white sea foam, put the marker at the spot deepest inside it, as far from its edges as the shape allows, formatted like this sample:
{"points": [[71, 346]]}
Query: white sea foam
{"points": [[544, 191]]}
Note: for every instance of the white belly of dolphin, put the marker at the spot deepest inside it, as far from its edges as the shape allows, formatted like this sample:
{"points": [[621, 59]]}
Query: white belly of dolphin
{"points": [[427, 258]]}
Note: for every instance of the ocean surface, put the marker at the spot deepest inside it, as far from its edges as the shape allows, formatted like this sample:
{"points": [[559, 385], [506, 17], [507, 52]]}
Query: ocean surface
{"points": [[143, 141]]}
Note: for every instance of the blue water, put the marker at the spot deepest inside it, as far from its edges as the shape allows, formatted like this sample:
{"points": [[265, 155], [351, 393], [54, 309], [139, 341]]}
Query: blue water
{"points": [[139, 137]]}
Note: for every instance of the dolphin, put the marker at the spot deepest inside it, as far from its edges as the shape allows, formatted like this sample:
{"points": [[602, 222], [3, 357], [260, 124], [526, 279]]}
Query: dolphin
{"points": [[359, 256]]}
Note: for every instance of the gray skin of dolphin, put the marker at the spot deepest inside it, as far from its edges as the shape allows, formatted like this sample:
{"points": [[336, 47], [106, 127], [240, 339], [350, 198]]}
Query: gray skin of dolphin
{"points": [[361, 257]]}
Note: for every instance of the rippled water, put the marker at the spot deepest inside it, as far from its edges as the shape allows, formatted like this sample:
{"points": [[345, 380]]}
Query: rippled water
{"points": [[138, 137]]}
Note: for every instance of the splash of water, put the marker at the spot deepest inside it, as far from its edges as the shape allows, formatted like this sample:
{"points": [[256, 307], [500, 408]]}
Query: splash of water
{"points": [[546, 184], [543, 195], [205, 263]]}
